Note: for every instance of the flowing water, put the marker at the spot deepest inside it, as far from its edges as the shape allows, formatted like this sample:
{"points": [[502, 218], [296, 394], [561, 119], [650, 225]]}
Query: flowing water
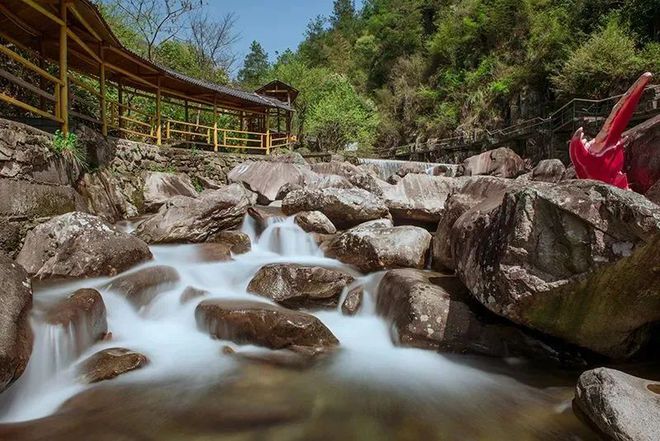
{"points": [[369, 389]]}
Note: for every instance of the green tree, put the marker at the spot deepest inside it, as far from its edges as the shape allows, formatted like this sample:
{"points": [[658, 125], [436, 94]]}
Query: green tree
{"points": [[255, 67]]}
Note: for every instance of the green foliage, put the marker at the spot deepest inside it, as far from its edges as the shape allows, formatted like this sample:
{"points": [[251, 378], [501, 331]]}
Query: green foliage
{"points": [[66, 145], [255, 68], [169, 168]]}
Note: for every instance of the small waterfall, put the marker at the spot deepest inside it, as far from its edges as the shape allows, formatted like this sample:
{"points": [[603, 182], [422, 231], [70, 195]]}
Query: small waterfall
{"points": [[284, 237], [389, 167]]}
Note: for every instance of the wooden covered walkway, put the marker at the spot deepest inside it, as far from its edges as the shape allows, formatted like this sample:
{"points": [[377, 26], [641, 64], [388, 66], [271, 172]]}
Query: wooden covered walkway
{"points": [[57, 53]]}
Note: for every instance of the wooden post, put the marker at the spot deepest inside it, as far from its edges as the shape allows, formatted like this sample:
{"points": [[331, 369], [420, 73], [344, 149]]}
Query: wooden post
{"points": [[215, 136], [186, 118], [104, 120], [64, 69], [268, 142], [158, 115], [120, 103], [167, 130]]}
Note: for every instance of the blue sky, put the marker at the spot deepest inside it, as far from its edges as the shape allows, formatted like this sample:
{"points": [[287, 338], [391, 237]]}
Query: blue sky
{"points": [[276, 24]]}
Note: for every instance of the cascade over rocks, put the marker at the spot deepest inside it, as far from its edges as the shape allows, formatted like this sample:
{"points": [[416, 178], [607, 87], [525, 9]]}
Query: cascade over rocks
{"points": [[110, 363], [575, 260], [502, 162], [621, 406], [419, 197], [160, 187], [262, 324], [142, 286], [314, 222], [344, 207], [430, 310], [267, 177], [186, 219], [83, 314], [375, 246], [300, 286], [79, 245], [15, 331]]}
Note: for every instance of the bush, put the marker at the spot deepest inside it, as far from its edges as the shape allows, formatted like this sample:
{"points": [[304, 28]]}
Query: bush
{"points": [[66, 145]]}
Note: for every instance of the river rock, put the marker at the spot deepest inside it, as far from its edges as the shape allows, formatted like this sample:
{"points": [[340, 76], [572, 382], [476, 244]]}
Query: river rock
{"points": [[431, 310], [186, 219], [83, 315], [315, 222], [344, 207], [353, 301], [160, 187], [104, 196], [352, 174], [375, 246], [264, 216], [576, 260], [266, 178], [142, 286], [77, 245], [110, 363], [419, 197], [548, 170], [15, 330], [191, 293], [224, 245], [621, 406], [642, 165], [502, 162], [299, 286], [262, 324]]}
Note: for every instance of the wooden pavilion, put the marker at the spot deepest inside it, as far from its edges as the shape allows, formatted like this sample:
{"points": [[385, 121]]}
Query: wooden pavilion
{"points": [[68, 46]]}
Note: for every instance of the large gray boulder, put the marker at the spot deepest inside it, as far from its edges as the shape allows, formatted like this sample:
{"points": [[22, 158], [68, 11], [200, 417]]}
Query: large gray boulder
{"points": [[15, 330], [353, 175], [344, 207], [502, 162], [375, 246], [262, 324], [576, 260], [160, 187], [548, 170], [76, 245], [300, 286], [104, 196], [315, 222], [419, 198], [622, 407], [267, 177], [185, 219]]}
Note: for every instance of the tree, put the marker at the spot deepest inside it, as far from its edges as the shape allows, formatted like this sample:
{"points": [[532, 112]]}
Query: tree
{"points": [[343, 14], [255, 67], [213, 41]]}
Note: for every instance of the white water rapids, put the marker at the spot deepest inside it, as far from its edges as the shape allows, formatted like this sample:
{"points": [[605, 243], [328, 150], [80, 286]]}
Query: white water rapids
{"points": [[165, 331]]}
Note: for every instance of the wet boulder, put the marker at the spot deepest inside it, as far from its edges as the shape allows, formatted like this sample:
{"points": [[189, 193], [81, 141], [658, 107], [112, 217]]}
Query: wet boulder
{"points": [[267, 177], [352, 175], [15, 330], [344, 207], [502, 162], [264, 216], [160, 187], [549, 170], [621, 406], [419, 198], [194, 220], [76, 245], [110, 363], [142, 286], [431, 310], [576, 260], [191, 293], [353, 301], [262, 324], [81, 314], [375, 246], [315, 222], [300, 286], [223, 246], [104, 196]]}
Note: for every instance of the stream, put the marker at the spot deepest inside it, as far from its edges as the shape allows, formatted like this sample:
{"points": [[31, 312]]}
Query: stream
{"points": [[368, 389]]}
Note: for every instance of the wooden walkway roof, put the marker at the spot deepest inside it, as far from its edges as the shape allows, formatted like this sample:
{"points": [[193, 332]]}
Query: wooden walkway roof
{"points": [[36, 24]]}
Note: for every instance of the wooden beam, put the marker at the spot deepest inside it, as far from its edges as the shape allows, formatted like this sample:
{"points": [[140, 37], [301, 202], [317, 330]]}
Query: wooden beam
{"points": [[64, 69], [18, 22], [29, 108], [32, 88], [82, 20], [158, 115], [30, 65], [83, 45], [104, 120], [34, 5]]}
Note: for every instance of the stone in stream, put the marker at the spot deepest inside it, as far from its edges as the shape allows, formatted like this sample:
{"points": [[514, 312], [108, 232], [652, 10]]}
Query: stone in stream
{"points": [[104, 196], [502, 162], [191, 293], [375, 246], [110, 363], [223, 246], [76, 245], [576, 260], [352, 175], [314, 222], [267, 177], [344, 207], [430, 310], [300, 286], [82, 314], [15, 331], [353, 301], [194, 220], [263, 324], [263, 216], [160, 187], [621, 406], [142, 286]]}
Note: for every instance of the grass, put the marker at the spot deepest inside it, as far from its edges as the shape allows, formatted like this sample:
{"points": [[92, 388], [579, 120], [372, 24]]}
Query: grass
{"points": [[66, 145]]}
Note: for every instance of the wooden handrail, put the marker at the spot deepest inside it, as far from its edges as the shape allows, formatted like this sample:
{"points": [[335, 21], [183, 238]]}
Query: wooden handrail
{"points": [[30, 65]]}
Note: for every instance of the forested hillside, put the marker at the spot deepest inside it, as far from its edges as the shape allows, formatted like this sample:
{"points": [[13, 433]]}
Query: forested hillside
{"points": [[393, 71]]}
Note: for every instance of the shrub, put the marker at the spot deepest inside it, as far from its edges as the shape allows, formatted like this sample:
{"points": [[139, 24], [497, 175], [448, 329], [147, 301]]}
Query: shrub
{"points": [[66, 145]]}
